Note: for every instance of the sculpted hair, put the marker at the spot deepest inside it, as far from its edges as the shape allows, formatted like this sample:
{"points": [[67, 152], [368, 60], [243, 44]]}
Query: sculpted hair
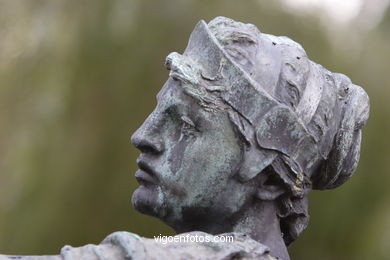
{"points": [[335, 124]]}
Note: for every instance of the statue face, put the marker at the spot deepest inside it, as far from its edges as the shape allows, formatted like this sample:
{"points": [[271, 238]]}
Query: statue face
{"points": [[188, 160]]}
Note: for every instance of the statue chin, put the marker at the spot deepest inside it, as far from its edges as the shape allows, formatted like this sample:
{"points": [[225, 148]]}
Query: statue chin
{"points": [[144, 200]]}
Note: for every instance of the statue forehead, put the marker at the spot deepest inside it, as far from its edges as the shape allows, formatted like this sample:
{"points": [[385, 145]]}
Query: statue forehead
{"points": [[173, 97], [172, 94]]}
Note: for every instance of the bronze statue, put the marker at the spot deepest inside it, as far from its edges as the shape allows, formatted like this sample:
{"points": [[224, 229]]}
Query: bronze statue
{"points": [[244, 128]]}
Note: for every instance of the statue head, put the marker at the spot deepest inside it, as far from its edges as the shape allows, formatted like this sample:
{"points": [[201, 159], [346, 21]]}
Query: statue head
{"points": [[245, 119]]}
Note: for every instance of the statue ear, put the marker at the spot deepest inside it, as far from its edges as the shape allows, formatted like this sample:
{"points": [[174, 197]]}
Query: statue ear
{"points": [[271, 187], [255, 160]]}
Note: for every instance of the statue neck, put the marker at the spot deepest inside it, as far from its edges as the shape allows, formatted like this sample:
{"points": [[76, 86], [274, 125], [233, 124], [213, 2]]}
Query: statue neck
{"points": [[258, 220], [262, 224]]}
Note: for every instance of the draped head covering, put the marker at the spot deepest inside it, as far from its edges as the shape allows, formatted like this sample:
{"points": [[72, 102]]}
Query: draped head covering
{"points": [[299, 118], [307, 114]]}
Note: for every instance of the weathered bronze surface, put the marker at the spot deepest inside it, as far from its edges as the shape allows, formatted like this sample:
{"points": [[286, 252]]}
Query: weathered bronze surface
{"points": [[244, 128]]}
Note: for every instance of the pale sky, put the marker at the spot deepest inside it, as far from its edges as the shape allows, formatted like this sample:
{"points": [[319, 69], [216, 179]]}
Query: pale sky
{"points": [[343, 11]]}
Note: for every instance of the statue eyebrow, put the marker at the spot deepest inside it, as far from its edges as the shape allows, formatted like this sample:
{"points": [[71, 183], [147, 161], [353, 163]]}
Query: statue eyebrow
{"points": [[160, 93], [164, 89]]}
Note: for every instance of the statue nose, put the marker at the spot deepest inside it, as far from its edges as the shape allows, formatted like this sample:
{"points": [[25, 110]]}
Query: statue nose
{"points": [[147, 142]]}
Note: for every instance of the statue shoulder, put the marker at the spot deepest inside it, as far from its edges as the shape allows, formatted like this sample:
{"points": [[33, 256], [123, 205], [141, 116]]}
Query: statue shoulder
{"points": [[191, 245]]}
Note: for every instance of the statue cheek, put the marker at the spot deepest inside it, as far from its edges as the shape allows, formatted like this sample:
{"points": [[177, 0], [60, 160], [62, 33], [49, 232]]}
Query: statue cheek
{"points": [[179, 153]]}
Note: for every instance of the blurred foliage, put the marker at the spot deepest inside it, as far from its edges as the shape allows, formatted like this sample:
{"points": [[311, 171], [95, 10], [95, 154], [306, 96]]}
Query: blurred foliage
{"points": [[77, 77]]}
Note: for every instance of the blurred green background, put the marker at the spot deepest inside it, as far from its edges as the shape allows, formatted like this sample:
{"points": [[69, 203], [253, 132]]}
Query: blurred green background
{"points": [[77, 77]]}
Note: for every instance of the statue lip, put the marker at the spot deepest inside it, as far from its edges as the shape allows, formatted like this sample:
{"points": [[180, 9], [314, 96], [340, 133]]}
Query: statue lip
{"points": [[146, 174]]}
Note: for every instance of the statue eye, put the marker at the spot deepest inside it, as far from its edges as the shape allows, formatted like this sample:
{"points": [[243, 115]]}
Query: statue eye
{"points": [[188, 127]]}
